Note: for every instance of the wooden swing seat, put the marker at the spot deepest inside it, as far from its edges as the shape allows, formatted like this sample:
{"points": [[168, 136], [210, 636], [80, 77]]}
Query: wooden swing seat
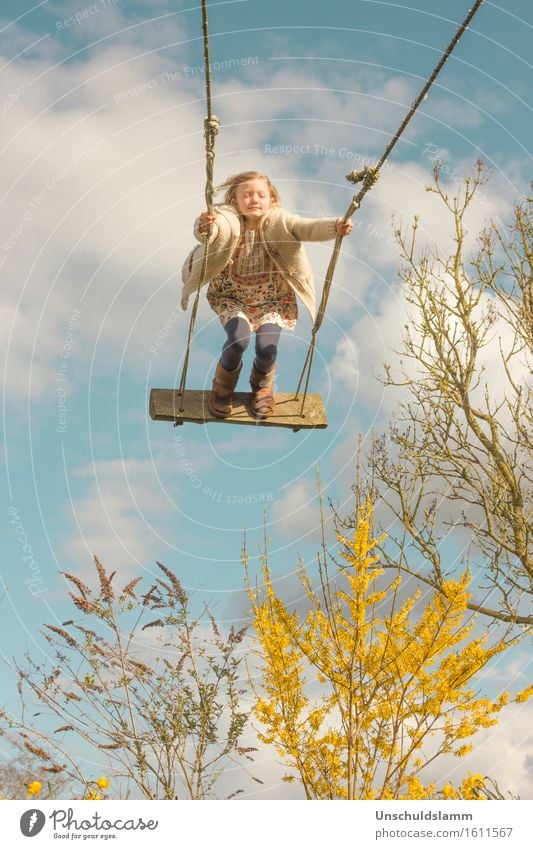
{"points": [[165, 406]]}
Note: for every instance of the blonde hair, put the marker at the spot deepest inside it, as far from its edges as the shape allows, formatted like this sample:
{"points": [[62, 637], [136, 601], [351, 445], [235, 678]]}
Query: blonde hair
{"points": [[236, 179]]}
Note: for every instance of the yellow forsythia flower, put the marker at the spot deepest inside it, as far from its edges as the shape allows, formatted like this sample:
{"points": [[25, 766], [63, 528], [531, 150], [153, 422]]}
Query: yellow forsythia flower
{"points": [[93, 796], [472, 785], [102, 782], [449, 792], [34, 788], [524, 695]]}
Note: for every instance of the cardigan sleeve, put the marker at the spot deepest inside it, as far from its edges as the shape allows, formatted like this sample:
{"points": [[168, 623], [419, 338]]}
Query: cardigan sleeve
{"points": [[311, 229]]}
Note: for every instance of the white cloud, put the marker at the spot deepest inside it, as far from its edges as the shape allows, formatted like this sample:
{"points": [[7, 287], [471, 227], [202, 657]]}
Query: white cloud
{"points": [[359, 357], [296, 515]]}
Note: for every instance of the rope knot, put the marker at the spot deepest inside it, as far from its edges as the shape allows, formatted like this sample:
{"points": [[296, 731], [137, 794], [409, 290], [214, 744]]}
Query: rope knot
{"points": [[211, 126], [368, 176]]}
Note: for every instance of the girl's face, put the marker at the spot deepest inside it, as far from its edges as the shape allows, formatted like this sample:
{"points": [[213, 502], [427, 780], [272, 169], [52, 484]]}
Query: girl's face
{"points": [[253, 199]]}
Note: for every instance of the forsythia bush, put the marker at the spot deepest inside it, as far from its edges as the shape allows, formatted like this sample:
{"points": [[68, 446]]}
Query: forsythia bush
{"points": [[393, 688]]}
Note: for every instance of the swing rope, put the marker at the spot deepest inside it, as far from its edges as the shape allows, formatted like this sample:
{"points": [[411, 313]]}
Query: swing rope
{"points": [[211, 125], [368, 176]]}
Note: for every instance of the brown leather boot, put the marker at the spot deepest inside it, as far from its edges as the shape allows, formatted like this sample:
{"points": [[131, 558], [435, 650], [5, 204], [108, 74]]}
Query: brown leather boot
{"points": [[262, 393], [224, 382]]}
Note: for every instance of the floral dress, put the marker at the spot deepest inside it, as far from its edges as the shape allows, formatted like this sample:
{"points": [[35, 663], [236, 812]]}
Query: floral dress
{"points": [[251, 287]]}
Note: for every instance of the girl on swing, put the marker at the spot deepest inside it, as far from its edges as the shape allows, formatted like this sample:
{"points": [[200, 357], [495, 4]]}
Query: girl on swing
{"points": [[256, 267]]}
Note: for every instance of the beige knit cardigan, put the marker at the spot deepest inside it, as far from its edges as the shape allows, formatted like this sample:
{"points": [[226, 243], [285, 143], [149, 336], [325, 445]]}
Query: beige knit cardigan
{"points": [[281, 234]]}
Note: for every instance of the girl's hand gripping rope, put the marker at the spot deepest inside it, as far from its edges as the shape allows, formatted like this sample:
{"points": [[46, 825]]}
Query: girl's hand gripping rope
{"points": [[343, 227], [207, 219]]}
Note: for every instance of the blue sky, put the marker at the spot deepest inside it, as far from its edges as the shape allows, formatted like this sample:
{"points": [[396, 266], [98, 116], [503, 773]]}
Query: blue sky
{"points": [[102, 157]]}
